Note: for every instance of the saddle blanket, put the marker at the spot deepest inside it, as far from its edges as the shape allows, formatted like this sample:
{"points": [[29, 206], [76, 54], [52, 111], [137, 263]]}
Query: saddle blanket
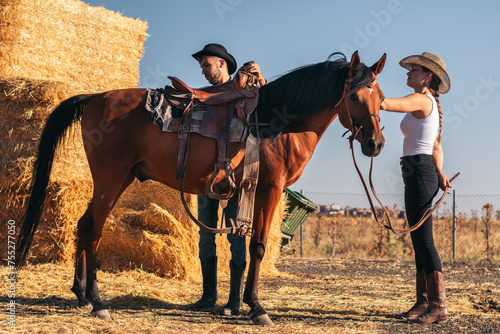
{"points": [[168, 118]]}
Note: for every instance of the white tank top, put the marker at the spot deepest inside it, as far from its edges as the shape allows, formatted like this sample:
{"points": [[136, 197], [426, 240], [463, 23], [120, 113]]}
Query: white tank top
{"points": [[420, 133]]}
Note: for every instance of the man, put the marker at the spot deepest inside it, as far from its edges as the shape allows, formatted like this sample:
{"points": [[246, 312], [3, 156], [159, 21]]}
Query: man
{"points": [[217, 66]]}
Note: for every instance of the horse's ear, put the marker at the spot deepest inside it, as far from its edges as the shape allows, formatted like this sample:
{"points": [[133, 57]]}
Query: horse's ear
{"points": [[379, 66], [355, 61]]}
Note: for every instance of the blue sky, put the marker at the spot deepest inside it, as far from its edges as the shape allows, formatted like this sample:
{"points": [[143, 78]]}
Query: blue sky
{"points": [[282, 35]]}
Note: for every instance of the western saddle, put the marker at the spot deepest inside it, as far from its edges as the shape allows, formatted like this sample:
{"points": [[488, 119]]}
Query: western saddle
{"points": [[236, 97]]}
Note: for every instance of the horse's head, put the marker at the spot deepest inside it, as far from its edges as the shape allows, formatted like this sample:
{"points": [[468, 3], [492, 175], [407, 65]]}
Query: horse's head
{"points": [[360, 105]]}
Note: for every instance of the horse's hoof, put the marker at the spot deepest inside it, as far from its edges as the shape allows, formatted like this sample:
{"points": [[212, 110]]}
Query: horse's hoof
{"points": [[101, 314], [262, 320]]}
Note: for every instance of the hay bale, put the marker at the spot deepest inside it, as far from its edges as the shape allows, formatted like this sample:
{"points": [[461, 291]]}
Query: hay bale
{"points": [[149, 229], [45, 45], [24, 105], [70, 41]]}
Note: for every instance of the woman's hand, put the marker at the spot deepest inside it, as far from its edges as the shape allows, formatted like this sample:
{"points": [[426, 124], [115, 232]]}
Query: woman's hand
{"points": [[444, 183]]}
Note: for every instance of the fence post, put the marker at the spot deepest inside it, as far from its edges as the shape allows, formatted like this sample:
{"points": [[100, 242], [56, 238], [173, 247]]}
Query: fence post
{"points": [[301, 237], [454, 228]]}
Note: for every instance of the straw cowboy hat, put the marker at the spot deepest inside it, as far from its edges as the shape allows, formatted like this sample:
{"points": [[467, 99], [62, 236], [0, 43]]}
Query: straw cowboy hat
{"points": [[432, 62], [217, 50]]}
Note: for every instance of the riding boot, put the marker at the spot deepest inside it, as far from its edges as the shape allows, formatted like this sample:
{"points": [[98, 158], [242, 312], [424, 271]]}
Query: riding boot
{"points": [[234, 303], [437, 310], [209, 273], [422, 301]]}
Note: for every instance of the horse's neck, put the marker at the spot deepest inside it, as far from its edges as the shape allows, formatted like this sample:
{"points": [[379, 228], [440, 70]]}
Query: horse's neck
{"points": [[314, 126], [301, 140]]}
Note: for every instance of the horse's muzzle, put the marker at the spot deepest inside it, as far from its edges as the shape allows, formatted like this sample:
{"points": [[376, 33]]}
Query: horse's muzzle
{"points": [[371, 147]]}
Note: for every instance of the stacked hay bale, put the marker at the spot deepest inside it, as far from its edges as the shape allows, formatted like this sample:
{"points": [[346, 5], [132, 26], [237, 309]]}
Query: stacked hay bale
{"points": [[24, 106], [52, 50], [70, 41], [149, 229]]}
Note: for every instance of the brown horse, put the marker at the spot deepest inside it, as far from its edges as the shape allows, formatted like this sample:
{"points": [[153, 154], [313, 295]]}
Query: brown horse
{"points": [[122, 143]]}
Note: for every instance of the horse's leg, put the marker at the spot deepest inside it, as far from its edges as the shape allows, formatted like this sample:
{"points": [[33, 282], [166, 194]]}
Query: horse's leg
{"points": [[80, 280], [266, 201], [89, 234]]}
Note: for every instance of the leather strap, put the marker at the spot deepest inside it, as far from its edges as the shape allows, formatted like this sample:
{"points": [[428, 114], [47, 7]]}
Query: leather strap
{"points": [[248, 184], [389, 226], [183, 138], [429, 211]]}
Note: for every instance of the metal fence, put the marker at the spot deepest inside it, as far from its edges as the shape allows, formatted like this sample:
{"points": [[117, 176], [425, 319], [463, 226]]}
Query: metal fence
{"points": [[469, 206], [454, 205]]}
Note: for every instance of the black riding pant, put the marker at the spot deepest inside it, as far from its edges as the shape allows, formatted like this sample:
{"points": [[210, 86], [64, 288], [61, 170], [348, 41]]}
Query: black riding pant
{"points": [[421, 186], [208, 209]]}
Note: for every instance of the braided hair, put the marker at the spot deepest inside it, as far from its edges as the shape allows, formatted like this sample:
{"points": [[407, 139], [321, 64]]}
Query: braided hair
{"points": [[434, 88]]}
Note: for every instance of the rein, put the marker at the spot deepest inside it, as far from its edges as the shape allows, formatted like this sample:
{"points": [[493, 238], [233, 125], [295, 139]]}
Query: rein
{"points": [[355, 131], [242, 230], [428, 212]]}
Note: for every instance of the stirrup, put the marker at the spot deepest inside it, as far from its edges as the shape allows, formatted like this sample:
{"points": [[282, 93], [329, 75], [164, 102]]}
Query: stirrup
{"points": [[230, 177]]}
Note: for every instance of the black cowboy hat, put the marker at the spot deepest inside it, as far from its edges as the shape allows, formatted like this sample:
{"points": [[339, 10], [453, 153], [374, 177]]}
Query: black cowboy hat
{"points": [[217, 50]]}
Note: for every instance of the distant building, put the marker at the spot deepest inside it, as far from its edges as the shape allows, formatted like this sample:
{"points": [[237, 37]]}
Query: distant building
{"points": [[335, 209], [331, 209], [356, 212]]}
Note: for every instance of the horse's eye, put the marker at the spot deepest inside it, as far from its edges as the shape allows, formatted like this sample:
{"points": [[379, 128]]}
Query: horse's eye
{"points": [[353, 97]]}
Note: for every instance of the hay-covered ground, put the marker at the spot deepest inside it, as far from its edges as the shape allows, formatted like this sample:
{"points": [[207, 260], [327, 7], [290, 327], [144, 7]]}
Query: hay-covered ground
{"points": [[307, 296]]}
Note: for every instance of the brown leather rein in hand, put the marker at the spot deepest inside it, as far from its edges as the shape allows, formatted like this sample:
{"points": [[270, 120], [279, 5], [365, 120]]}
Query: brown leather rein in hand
{"points": [[355, 131], [389, 224]]}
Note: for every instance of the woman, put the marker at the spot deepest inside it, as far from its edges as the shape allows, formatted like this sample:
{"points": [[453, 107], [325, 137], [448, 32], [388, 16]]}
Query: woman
{"points": [[421, 166]]}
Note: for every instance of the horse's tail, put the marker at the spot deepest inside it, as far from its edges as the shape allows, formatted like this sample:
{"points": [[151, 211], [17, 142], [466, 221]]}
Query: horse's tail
{"points": [[56, 127]]}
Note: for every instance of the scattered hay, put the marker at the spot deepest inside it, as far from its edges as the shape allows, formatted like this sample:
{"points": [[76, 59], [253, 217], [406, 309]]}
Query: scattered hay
{"points": [[355, 300], [70, 41]]}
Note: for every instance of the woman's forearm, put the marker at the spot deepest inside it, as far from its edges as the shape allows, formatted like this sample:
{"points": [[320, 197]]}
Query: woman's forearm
{"points": [[438, 155]]}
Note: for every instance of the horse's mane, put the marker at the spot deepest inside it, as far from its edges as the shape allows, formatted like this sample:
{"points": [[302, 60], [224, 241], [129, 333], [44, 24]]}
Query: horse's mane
{"points": [[305, 91]]}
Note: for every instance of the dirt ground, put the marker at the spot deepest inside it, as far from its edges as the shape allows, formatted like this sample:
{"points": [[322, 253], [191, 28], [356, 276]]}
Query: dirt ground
{"points": [[307, 296]]}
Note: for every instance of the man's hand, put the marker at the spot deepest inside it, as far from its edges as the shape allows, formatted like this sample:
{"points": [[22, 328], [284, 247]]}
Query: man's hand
{"points": [[254, 68]]}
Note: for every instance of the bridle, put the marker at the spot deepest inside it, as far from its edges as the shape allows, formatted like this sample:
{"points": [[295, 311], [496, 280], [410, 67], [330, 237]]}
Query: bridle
{"points": [[355, 130], [351, 126]]}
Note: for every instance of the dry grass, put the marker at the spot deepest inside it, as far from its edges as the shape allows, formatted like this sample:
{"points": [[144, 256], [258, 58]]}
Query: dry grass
{"points": [[70, 41], [363, 238], [320, 296]]}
